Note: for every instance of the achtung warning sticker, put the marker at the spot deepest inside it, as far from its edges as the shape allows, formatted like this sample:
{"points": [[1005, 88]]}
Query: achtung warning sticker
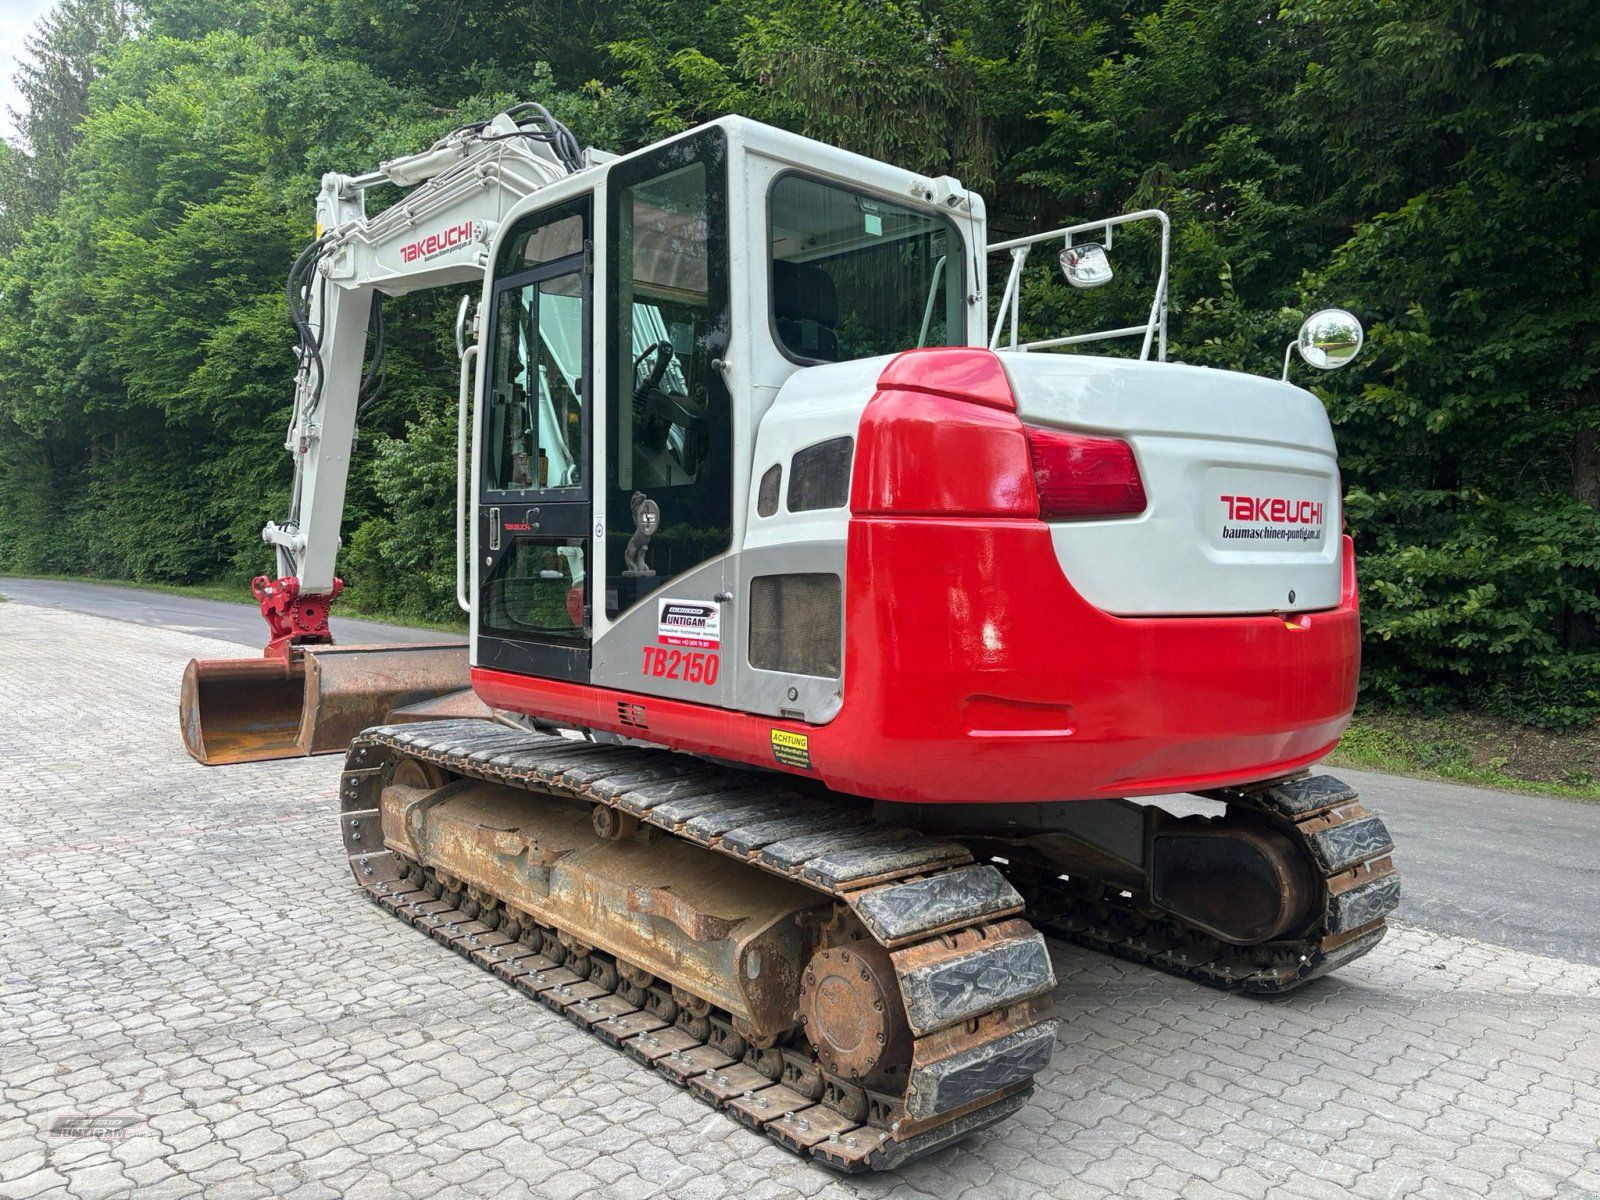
{"points": [[695, 623], [791, 749]]}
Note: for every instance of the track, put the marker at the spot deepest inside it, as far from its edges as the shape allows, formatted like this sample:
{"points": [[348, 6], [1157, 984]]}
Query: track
{"points": [[1359, 887], [975, 980]]}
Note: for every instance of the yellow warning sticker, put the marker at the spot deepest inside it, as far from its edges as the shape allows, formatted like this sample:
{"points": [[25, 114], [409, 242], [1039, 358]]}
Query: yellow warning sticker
{"points": [[791, 749]]}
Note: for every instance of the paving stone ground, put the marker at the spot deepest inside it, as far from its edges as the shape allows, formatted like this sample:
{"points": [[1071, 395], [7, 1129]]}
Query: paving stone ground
{"points": [[182, 947]]}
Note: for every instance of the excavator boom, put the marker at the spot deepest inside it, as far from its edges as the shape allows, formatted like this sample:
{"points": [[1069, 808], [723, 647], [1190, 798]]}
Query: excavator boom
{"points": [[304, 696]]}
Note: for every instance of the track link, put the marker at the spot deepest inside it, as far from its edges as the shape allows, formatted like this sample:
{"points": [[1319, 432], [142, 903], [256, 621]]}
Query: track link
{"points": [[975, 979], [1359, 887]]}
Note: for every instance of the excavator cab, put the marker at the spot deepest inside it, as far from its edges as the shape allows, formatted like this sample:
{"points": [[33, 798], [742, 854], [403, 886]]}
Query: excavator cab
{"points": [[629, 344], [656, 314]]}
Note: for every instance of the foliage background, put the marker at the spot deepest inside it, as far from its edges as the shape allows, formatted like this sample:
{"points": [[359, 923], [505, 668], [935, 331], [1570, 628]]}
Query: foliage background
{"points": [[1431, 164]]}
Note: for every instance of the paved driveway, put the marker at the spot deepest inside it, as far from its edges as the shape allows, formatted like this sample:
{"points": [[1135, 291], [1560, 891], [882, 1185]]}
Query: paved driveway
{"points": [[181, 950]]}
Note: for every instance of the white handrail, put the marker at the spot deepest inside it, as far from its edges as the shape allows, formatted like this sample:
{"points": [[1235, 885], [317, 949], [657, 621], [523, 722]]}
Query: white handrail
{"points": [[1018, 257], [469, 362], [1153, 330], [933, 294]]}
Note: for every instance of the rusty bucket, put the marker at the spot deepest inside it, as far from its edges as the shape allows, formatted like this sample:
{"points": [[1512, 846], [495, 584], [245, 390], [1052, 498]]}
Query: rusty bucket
{"points": [[252, 709]]}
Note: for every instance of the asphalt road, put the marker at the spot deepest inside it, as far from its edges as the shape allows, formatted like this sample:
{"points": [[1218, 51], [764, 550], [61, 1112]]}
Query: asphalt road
{"points": [[1513, 870], [186, 614], [1516, 870]]}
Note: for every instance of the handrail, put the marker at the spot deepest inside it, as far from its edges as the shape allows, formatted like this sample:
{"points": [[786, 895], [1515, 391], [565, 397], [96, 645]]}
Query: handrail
{"points": [[933, 294], [469, 360], [1153, 330]]}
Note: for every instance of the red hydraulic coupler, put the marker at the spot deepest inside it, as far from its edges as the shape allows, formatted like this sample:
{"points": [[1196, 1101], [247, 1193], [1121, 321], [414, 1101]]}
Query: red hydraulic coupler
{"points": [[293, 619]]}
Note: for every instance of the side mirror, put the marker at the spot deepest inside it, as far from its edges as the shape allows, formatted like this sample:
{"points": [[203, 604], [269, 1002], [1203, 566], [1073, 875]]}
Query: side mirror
{"points": [[1086, 266], [1328, 340]]}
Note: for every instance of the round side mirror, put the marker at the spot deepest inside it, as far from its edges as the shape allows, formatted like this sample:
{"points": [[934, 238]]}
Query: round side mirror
{"points": [[1330, 339]]}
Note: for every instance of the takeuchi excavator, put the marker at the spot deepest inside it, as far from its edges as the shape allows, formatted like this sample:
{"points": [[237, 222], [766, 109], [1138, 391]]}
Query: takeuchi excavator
{"points": [[826, 640]]}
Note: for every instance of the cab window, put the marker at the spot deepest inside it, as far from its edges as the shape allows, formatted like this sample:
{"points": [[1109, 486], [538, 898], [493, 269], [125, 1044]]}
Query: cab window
{"points": [[534, 437], [855, 275]]}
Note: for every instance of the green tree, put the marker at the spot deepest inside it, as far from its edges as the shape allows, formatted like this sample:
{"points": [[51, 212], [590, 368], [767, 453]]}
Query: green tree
{"points": [[145, 340], [59, 62], [1468, 137]]}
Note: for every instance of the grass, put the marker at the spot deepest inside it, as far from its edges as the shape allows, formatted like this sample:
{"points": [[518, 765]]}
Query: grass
{"points": [[1474, 748]]}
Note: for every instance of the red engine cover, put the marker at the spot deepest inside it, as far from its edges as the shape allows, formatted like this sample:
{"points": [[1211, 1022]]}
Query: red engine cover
{"points": [[974, 671]]}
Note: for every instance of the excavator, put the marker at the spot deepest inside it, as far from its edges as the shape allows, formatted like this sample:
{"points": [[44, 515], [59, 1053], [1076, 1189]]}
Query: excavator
{"points": [[827, 642]]}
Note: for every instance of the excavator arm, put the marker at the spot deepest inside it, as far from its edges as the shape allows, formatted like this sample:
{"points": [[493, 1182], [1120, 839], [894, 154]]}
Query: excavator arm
{"points": [[303, 696]]}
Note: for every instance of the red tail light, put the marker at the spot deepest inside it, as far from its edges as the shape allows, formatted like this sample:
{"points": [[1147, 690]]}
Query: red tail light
{"points": [[1082, 476]]}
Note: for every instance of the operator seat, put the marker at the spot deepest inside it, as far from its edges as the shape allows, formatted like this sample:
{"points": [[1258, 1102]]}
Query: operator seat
{"points": [[807, 309]]}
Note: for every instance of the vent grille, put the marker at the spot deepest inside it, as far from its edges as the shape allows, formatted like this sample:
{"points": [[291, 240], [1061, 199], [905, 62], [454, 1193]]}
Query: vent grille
{"points": [[819, 475], [767, 496], [632, 715], [797, 623]]}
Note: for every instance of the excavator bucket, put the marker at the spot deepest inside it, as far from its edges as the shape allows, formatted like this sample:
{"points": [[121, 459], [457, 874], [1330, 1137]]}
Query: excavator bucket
{"points": [[252, 709]]}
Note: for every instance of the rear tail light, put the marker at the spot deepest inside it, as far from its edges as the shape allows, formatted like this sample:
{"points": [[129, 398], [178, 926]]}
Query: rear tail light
{"points": [[1081, 476]]}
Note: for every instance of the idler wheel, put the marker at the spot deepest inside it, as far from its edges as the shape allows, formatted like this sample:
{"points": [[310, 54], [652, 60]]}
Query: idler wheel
{"points": [[851, 1010], [414, 773]]}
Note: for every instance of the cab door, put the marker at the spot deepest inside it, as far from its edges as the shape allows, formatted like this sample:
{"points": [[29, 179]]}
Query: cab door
{"points": [[534, 614], [668, 487]]}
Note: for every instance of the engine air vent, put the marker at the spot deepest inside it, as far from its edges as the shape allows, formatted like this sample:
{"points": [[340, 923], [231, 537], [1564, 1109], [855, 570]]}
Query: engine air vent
{"points": [[632, 715], [797, 623], [819, 475], [767, 496]]}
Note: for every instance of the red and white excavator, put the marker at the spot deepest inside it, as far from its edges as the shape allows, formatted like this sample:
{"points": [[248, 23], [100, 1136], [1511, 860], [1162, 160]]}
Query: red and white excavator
{"points": [[823, 636]]}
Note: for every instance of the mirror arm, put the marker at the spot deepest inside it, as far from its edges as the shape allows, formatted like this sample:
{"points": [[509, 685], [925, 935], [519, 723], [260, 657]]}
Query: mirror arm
{"points": [[1287, 351]]}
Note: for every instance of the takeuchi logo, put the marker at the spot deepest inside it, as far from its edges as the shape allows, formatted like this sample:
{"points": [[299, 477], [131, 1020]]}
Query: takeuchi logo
{"points": [[437, 243], [1274, 509]]}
